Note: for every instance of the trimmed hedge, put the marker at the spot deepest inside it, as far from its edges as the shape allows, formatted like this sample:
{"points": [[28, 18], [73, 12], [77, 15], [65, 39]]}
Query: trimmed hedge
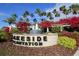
{"points": [[67, 42]]}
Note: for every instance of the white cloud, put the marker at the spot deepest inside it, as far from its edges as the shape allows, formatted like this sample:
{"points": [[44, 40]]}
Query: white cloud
{"points": [[3, 14]]}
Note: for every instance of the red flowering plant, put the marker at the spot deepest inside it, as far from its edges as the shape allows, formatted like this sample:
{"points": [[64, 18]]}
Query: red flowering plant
{"points": [[46, 24], [64, 21], [74, 22], [6, 29], [22, 26]]}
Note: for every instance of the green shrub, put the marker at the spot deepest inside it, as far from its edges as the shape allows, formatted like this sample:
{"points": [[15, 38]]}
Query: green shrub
{"points": [[2, 35], [67, 42], [15, 30], [56, 29]]}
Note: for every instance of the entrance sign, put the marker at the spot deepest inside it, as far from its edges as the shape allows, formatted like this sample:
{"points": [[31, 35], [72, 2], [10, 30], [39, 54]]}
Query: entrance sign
{"points": [[35, 40]]}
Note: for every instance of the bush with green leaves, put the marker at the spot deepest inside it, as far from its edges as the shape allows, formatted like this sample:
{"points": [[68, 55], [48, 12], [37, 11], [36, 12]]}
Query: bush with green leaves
{"points": [[56, 29], [67, 42], [2, 35], [15, 30]]}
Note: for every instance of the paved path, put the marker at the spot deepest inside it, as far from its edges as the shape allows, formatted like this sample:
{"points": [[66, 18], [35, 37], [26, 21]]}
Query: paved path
{"points": [[77, 53]]}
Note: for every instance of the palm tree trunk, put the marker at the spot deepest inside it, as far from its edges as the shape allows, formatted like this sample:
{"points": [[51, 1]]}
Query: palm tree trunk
{"points": [[61, 28], [10, 27], [47, 29]]}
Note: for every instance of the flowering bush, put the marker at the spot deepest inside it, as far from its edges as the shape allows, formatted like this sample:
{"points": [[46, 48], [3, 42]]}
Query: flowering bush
{"points": [[22, 26], [67, 42], [64, 21], [46, 24], [73, 22], [6, 29]]}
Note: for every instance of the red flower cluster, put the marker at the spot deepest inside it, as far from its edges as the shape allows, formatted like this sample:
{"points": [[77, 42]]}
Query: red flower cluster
{"points": [[6, 29], [73, 22], [46, 24], [63, 21], [22, 26]]}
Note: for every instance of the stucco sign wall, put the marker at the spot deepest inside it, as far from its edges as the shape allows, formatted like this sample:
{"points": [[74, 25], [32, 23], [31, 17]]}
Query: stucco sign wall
{"points": [[35, 40]]}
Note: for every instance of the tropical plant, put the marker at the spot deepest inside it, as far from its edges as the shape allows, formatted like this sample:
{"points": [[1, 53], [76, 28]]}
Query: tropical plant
{"points": [[43, 20], [32, 15], [11, 20], [49, 14], [74, 8], [67, 42], [22, 26], [43, 14], [14, 16], [46, 24], [64, 10], [56, 29], [21, 19], [35, 20], [27, 20], [2, 36], [38, 11], [56, 13], [15, 30], [25, 14]]}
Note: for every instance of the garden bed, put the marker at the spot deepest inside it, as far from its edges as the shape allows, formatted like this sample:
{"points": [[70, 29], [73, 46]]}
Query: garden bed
{"points": [[7, 48]]}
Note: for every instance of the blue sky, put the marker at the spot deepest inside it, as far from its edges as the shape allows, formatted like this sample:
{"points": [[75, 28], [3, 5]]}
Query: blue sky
{"points": [[8, 8]]}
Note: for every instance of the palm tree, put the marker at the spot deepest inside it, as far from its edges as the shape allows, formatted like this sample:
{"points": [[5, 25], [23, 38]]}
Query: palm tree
{"points": [[38, 11], [42, 20], [21, 19], [11, 20], [43, 14], [25, 16], [74, 8], [32, 15], [26, 13], [35, 25], [27, 20], [35, 20], [56, 13], [14, 16], [64, 10], [49, 15]]}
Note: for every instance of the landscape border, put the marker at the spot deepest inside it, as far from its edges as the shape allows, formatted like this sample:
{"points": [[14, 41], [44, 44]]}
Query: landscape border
{"points": [[39, 1]]}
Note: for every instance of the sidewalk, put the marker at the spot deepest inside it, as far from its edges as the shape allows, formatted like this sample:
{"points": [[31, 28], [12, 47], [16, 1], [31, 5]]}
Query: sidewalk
{"points": [[77, 53]]}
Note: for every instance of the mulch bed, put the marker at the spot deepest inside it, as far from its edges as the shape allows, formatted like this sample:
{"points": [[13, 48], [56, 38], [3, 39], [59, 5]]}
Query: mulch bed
{"points": [[8, 49]]}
